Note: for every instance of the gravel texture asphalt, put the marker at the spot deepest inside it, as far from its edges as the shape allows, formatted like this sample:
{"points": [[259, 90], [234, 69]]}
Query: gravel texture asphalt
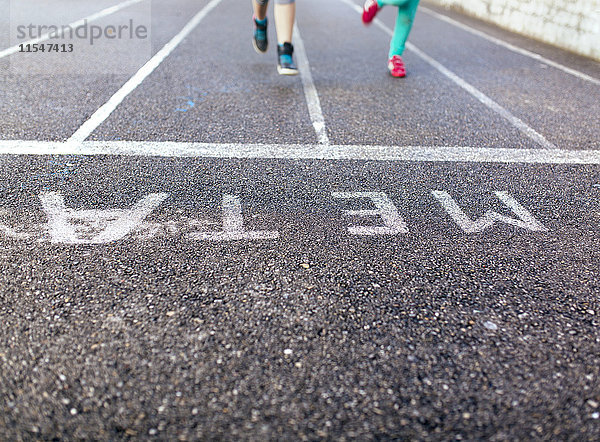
{"points": [[430, 334]]}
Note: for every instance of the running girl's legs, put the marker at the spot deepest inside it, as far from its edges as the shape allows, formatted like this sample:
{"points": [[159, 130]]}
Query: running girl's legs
{"points": [[406, 15], [260, 9], [285, 15], [407, 10], [260, 41]]}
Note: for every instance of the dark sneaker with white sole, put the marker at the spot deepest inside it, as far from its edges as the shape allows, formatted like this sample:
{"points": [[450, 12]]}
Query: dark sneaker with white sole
{"points": [[259, 40], [285, 60]]}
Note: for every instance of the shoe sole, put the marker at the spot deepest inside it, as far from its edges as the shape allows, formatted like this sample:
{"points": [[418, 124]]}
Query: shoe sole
{"points": [[287, 71], [395, 75], [257, 49]]}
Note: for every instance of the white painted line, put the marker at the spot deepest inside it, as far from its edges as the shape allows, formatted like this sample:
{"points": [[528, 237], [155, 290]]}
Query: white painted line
{"points": [[303, 152], [510, 47], [233, 225], [516, 122], [525, 221], [75, 24], [310, 91], [393, 222], [519, 124], [104, 112]]}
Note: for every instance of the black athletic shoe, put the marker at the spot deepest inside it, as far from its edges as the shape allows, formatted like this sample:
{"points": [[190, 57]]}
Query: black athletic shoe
{"points": [[285, 60], [260, 41]]}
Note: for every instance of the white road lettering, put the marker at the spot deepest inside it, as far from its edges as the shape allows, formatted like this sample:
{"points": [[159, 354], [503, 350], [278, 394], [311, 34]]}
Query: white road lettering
{"points": [[11, 233], [393, 223], [74, 226], [69, 226], [525, 221], [233, 225]]}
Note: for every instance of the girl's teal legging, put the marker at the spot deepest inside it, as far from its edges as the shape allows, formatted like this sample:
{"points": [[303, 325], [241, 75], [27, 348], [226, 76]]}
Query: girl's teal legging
{"points": [[406, 14]]}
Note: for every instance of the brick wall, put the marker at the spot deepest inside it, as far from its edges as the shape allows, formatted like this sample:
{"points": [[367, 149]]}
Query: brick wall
{"points": [[570, 24]]}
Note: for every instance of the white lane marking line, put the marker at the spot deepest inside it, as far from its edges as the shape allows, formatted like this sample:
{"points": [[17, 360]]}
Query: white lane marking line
{"points": [[393, 222], [104, 112], [75, 24], [69, 226], [525, 221], [519, 124], [233, 225], [303, 152], [310, 91], [510, 47], [516, 122]]}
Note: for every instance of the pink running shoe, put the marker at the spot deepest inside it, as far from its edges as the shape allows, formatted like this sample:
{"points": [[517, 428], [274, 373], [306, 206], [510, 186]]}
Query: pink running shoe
{"points": [[370, 9], [396, 66]]}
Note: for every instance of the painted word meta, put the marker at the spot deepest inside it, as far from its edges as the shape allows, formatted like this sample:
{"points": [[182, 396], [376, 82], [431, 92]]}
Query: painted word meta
{"points": [[69, 226]]}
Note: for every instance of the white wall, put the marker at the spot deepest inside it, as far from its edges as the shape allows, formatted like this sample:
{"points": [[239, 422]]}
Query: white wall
{"points": [[569, 24]]}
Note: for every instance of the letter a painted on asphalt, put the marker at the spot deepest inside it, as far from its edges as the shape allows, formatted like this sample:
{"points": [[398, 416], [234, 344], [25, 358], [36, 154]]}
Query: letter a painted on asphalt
{"points": [[69, 226]]}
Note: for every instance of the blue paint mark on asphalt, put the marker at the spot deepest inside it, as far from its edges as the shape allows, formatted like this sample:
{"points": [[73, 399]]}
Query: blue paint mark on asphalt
{"points": [[227, 89], [190, 105], [60, 171], [57, 174], [194, 96]]}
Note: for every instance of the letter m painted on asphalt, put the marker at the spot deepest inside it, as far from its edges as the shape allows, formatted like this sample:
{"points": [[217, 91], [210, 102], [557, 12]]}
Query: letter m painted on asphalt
{"points": [[524, 220]]}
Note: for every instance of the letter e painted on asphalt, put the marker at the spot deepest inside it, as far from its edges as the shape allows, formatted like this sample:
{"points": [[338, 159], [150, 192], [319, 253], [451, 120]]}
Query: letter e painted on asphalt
{"points": [[392, 222]]}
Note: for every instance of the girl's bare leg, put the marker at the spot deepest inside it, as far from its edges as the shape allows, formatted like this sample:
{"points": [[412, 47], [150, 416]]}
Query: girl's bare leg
{"points": [[285, 14], [260, 11]]}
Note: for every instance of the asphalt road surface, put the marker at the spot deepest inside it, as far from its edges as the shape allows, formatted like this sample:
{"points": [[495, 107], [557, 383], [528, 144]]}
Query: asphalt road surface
{"points": [[198, 248]]}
